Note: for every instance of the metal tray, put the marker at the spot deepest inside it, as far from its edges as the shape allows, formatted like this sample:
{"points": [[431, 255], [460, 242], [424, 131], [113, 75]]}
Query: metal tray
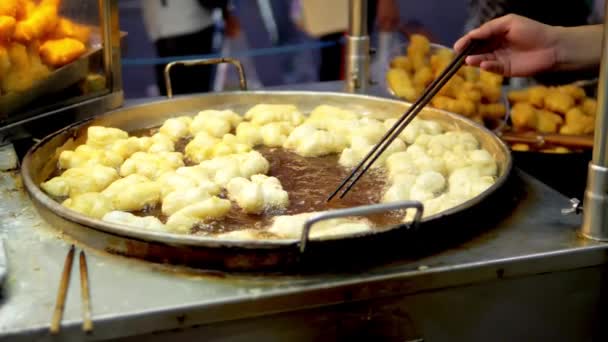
{"points": [[41, 160], [60, 79], [399, 51]]}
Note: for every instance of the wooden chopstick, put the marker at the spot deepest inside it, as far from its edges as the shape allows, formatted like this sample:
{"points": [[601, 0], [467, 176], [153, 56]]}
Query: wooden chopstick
{"points": [[404, 120], [539, 140], [87, 323], [61, 294]]}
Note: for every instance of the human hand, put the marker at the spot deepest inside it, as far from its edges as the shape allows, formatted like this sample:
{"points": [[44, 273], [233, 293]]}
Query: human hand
{"points": [[514, 46], [387, 16]]}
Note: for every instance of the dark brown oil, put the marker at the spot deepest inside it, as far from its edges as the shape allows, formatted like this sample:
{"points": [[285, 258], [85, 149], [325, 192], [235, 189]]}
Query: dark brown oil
{"points": [[308, 181]]}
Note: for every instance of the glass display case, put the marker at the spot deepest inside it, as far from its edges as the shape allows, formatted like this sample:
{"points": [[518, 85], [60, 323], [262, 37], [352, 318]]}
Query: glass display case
{"points": [[59, 63]]}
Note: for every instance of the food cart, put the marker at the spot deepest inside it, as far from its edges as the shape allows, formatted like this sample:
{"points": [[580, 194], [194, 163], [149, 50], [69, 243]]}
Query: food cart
{"points": [[515, 266]]}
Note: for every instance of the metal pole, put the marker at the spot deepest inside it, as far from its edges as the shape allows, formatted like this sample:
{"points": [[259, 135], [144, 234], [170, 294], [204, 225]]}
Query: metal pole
{"points": [[595, 214], [357, 48]]}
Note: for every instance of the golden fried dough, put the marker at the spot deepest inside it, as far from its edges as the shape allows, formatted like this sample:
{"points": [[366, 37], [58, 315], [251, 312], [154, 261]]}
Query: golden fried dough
{"points": [[60, 52], [492, 110], [589, 106], [524, 116], [423, 77], [548, 122], [536, 95], [578, 123], [519, 95], [7, 27], [559, 102], [68, 29], [401, 83], [577, 93], [402, 62]]}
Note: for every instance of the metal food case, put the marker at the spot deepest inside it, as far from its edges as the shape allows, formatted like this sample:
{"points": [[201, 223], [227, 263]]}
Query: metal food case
{"points": [[75, 89]]}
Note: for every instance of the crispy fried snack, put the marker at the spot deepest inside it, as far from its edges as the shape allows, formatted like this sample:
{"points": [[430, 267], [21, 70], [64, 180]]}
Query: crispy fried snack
{"points": [[536, 95], [401, 62], [577, 93], [470, 73], [68, 29], [522, 95], [559, 102], [423, 77], [463, 106], [492, 110], [60, 52], [5, 61], [401, 83], [419, 44], [41, 22], [490, 92], [589, 106], [452, 87], [548, 122], [520, 147], [578, 123], [524, 116], [440, 60], [469, 91], [490, 78], [9, 8], [7, 27]]}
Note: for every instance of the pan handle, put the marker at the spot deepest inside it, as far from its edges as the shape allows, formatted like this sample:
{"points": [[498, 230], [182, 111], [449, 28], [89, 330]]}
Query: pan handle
{"points": [[361, 211], [205, 61]]}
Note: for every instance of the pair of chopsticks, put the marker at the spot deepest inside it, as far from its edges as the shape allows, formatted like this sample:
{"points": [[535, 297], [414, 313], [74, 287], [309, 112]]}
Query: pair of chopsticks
{"points": [[87, 324], [405, 119]]}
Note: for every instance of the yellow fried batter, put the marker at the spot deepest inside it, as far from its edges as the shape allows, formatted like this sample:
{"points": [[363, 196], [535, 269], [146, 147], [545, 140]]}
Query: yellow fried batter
{"points": [[5, 61], [559, 102], [589, 106], [9, 8], [578, 123], [492, 110], [522, 95], [463, 106], [419, 44], [423, 77], [42, 21], [536, 95], [491, 93], [470, 73], [524, 116], [469, 91], [418, 60], [402, 62], [520, 147], [548, 122], [452, 87], [60, 52], [68, 29], [577, 93], [401, 83], [490, 78], [7, 27]]}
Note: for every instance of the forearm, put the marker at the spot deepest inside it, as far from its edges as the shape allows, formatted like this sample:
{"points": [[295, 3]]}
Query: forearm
{"points": [[578, 47]]}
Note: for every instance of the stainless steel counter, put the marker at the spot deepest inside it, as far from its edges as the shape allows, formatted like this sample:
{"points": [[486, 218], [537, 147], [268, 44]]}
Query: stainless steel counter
{"points": [[130, 297]]}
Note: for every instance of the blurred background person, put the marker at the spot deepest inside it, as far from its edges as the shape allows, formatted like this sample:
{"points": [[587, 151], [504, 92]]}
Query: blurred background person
{"points": [[384, 13], [183, 28]]}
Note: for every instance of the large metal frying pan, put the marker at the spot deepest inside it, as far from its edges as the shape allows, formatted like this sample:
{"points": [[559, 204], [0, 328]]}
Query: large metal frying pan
{"points": [[203, 251]]}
